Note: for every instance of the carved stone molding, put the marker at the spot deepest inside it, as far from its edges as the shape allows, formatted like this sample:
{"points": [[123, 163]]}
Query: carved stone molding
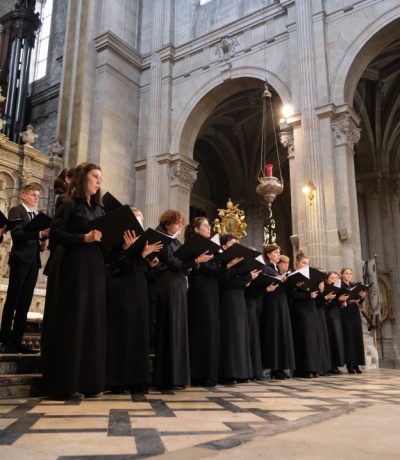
{"points": [[182, 174], [226, 48], [345, 131], [287, 140]]}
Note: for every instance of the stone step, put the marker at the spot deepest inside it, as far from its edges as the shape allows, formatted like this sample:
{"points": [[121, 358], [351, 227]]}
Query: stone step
{"points": [[20, 385], [19, 364]]}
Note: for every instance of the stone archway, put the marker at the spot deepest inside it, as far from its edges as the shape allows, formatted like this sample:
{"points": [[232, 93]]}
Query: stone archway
{"points": [[223, 133], [371, 86]]}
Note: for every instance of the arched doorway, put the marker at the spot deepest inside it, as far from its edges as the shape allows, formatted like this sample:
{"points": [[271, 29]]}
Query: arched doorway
{"points": [[227, 149], [376, 100]]}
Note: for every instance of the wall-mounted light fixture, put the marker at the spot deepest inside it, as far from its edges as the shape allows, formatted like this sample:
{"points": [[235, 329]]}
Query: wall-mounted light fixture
{"points": [[309, 191], [287, 111]]}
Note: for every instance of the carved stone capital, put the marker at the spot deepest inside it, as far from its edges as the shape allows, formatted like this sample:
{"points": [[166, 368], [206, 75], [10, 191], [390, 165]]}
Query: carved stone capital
{"points": [[287, 140], [57, 149], [182, 174], [345, 131]]}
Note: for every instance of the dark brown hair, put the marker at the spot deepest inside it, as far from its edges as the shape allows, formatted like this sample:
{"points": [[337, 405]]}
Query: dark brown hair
{"points": [[195, 223], [328, 274], [77, 186], [270, 248], [344, 269], [60, 185], [226, 237], [170, 216]]}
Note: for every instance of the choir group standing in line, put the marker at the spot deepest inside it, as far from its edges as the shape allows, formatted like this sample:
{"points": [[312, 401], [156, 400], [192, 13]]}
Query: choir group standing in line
{"points": [[210, 325]]}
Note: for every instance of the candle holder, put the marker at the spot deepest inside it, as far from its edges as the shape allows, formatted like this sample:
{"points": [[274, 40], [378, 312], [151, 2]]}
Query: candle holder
{"points": [[269, 188]]}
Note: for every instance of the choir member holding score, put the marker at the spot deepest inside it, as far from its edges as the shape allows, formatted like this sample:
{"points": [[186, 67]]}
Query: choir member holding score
{"points": [[74, 324], [276, 330], [172, 366], [128, 364], [351, 325]]}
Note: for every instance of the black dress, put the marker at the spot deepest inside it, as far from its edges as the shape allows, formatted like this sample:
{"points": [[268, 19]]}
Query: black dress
{"points": [[277, 347], [235, 357], [325, 363], [204, 325], [352, 332], [303, 313], [74, 324], [128, 361], [171, 366], [254, 302], [335, 332]]}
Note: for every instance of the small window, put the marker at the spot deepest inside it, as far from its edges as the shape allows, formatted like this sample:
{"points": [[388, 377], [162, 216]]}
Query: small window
{"points": [[41, 50], [203, 2]]}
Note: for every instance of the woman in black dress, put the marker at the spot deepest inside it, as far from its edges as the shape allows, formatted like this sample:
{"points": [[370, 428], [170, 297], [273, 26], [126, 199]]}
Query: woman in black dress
{"points": [[334, 323], [74, 325], [352, 327], [203, 312], [128, 360], [276, 329], [235, 355], [303, 312], [172, 368]]}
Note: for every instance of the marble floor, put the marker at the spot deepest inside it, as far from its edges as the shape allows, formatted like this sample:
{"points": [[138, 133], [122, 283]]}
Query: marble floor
{"points": [[123, 427]]}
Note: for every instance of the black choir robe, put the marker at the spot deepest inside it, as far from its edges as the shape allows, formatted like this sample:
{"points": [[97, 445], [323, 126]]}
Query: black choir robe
{"points": [[352, 332], [128, 361], [277, 347], [235, 357], [254, 301], [335, 332], [204, 322], [74, 323], [325, 363], [171, 367], [303, 313]]}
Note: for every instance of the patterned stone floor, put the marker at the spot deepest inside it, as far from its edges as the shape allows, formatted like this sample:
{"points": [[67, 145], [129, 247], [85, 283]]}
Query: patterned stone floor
{"points": [[122, 427]]}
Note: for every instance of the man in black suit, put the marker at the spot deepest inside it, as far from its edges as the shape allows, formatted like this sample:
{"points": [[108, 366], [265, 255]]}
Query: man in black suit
{"points": [[24, 264]]}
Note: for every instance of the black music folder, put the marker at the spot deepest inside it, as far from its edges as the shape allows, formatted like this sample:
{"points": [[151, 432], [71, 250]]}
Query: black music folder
{"points": [[195, 246], [263, 281], [113, 225], [11, 223], [248, 263], [355, 291], [151, 236], [38, 223], [110, 203]]}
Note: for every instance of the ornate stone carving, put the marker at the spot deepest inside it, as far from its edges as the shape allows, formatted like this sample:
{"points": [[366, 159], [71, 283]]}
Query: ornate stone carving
{"points": [[57, 149], [2, 98], [345, 131], [182, 174], [287, 140], [226, 48], [28, 137]]}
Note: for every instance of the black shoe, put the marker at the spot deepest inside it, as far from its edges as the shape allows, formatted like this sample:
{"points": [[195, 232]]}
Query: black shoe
{"points": [[68, 397], [278, 375], [357, 369], [350, 369], [336, 371], [142, 389], [228, 382], [208, 383], [93, 394]]}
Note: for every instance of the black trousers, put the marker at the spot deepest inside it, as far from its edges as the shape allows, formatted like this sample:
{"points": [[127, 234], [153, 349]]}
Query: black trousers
{"points": [[21, 285]]}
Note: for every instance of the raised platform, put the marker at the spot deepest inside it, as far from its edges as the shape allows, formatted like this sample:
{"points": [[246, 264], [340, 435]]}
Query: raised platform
{"points": [[20, 375]]}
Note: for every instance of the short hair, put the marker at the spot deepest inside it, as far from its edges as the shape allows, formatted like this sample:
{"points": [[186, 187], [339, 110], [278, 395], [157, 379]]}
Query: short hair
{"points": [[226, 237], [267, 248], [195, 223], [284, 259], [300, 256], [29, 187], [171, 216], [329, 273], [77, 186], [344, 269]]}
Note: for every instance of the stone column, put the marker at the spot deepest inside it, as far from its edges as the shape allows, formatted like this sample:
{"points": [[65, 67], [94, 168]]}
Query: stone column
{"points": [[152, 210], [395, 211], [315, 213], [287, 140], [375, 237], [345, 135], [182, 176]]}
